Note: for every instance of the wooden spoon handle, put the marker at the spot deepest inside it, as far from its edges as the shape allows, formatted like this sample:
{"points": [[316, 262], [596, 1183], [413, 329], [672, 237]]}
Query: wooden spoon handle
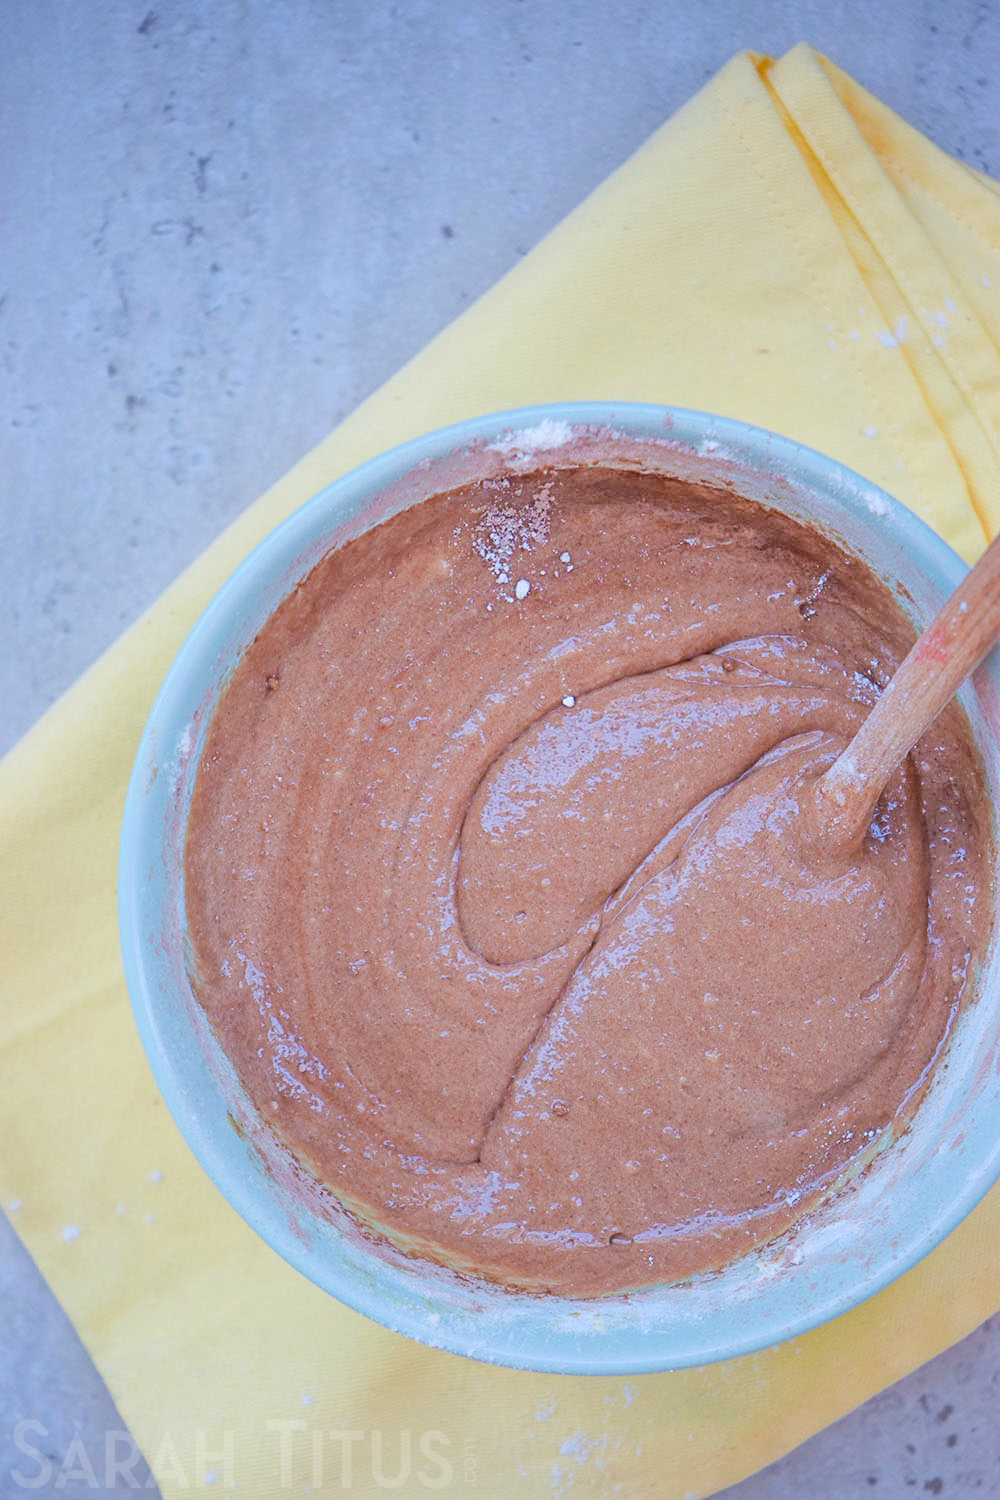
{"points": [[938, 663]]}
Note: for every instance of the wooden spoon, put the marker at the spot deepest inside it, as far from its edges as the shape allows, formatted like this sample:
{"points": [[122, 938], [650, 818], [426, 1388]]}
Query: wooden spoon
{"points": [[940, 660]]}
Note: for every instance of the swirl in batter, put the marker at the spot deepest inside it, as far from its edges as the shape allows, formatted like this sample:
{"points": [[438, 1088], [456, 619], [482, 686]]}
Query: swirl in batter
{"points": [[498, 889]]}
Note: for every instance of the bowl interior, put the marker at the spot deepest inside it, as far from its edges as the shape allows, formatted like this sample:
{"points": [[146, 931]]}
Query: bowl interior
{"points": [[911, 1194]]}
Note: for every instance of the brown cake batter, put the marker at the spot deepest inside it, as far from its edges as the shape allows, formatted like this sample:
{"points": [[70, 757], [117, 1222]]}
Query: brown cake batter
{"points": [[499, 893]]}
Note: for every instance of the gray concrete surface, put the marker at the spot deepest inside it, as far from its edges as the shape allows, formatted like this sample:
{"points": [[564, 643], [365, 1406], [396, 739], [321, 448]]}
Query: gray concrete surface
{"points": [[221, 225]]}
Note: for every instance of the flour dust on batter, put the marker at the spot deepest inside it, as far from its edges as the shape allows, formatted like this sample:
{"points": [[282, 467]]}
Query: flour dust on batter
{"points": [[498, 888]]}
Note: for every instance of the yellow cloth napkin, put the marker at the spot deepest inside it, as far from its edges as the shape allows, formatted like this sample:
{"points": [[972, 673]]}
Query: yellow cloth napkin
{"points": [[784, 250]]}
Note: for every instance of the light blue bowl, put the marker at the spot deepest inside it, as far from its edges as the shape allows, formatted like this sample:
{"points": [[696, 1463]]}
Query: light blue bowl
{"points": [[914, 1191]]}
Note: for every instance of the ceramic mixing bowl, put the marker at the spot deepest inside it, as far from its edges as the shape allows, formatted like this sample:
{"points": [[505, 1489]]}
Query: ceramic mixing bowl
{"points": [[914, 1190]]}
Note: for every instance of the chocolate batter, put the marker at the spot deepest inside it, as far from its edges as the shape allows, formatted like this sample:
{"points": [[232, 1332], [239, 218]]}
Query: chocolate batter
{"points": [[500, 892]]}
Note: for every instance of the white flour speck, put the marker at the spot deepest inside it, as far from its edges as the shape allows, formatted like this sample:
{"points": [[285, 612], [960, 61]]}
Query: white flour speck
{"points": [[70, 1232], [148, 1218], [545, 1412], [522, 588], [565, 557], [120, 1208], [897, 336], [568, 701], [506, 526], [545, 435], [628, 1391], [985, 280], [307, 1400], [579, 1446], [255, 979], [156, 1175], [14, 1206], [870, 432]]}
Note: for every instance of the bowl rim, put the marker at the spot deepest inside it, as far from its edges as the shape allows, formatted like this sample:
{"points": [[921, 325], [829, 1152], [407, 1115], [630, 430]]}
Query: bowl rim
{"points": [[553, 1344]]}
